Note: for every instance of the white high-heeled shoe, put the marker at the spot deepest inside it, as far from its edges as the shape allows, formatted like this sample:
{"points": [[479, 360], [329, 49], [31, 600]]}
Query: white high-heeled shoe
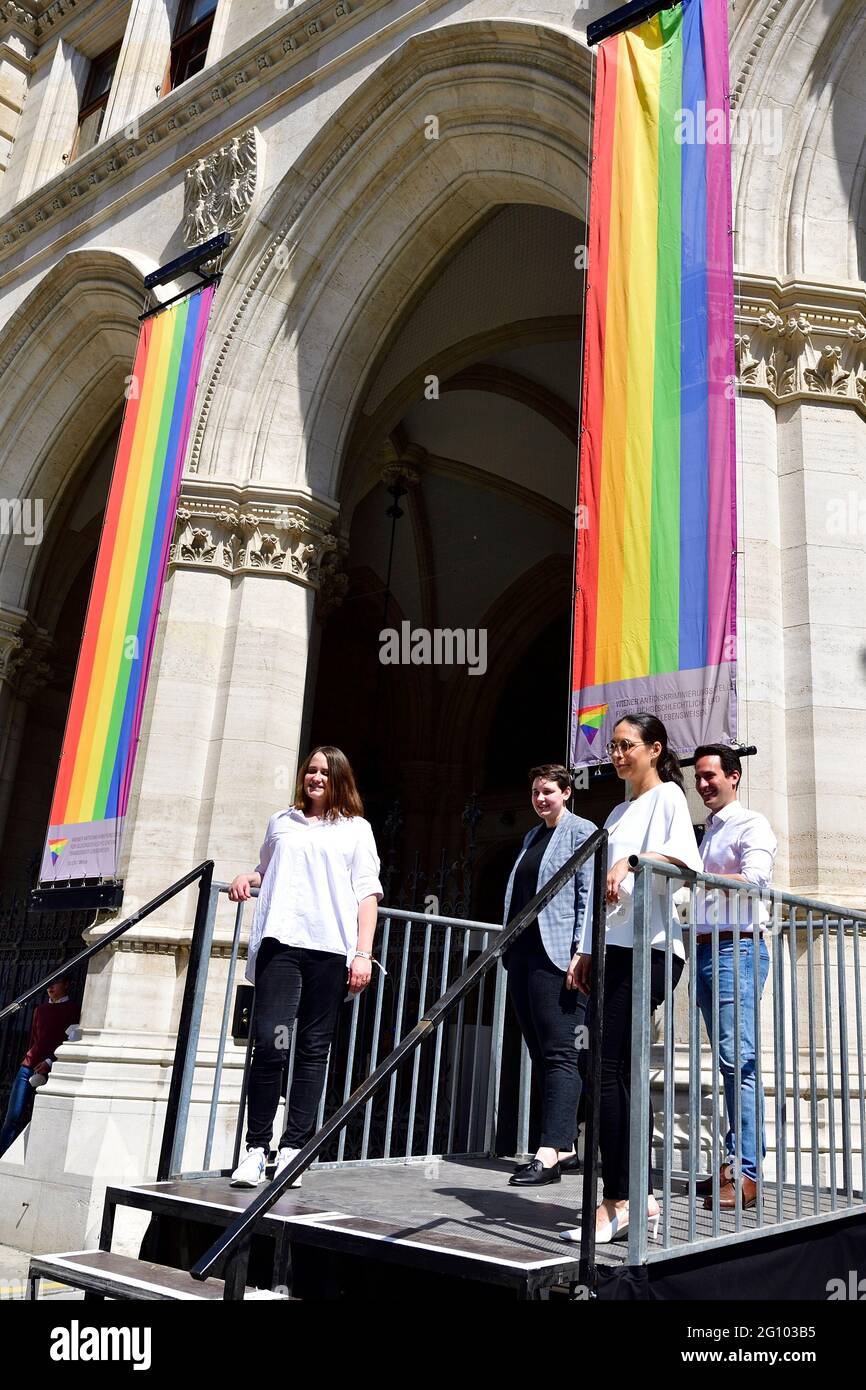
{"points": [[614, 1230]]}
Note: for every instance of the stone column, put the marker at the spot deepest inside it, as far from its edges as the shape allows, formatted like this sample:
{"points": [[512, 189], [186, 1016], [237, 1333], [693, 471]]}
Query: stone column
{"points": [[141, 67], [50, 119], [16, 52]]}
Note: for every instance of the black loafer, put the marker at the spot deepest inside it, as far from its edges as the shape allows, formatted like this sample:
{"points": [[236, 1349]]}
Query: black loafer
{"points": [[535, 1175], [572, 1164]]}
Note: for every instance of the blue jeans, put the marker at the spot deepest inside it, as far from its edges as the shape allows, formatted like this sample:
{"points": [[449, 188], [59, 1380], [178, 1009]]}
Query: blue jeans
{"points": [[19, 1109], [704, 991]]}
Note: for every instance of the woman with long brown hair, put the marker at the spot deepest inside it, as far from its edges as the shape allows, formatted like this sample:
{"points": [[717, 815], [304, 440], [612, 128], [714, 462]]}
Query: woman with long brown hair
{"points": [[311, 938]]}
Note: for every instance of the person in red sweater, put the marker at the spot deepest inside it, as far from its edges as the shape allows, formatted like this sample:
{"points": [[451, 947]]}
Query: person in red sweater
{"points": [[50, 1022]]}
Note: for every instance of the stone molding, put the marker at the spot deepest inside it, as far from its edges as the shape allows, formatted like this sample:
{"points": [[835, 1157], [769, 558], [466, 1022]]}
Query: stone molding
{"points": [[759, 34], [220, 188], [36, 21], [156, 945], [253, 531], [288, 42], [801, 341]]}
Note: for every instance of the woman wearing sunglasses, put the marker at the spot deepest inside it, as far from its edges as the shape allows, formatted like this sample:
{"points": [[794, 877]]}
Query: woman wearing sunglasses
{"points": [[653, 823]]}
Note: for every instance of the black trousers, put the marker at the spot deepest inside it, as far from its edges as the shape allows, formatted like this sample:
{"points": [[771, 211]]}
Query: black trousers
{"points": [[550, 1017], [616, 1062], [292, 983]]}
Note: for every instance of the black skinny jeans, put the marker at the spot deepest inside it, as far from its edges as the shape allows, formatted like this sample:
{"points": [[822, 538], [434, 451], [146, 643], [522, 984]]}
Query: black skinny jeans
{"points": [[616, 1062], [549, 1016], [292, 983]]}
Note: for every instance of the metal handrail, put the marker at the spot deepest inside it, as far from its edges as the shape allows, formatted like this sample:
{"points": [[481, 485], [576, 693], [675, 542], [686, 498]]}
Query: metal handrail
{"points": [[233, 1243], [69, 965], [183, 1068]]}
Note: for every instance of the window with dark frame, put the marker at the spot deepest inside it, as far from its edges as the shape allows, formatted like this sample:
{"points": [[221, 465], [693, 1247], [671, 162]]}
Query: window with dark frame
{"points": [[190, 43], [91, 113]]}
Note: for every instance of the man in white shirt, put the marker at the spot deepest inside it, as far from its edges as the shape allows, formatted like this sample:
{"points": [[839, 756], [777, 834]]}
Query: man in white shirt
{"points": [[739, 844]]}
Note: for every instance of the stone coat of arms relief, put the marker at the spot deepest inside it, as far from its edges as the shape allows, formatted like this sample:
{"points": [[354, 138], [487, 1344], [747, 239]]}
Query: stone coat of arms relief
{"points": [[220, 188]]}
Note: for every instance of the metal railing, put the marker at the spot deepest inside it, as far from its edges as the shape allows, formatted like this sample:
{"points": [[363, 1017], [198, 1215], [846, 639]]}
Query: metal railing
{"points": [[807, 1057], [231, 1249], [448, 1104], [183, 1068]]}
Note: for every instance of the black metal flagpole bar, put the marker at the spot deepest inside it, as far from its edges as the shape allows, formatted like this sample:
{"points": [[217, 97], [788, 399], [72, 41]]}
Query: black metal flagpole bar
{"points": [[604, 770], [626, 17]]}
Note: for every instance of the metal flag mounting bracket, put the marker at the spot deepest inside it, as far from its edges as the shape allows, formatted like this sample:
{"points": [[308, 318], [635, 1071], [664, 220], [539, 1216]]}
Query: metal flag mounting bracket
{"points": [[189, 263], [626, 17]]}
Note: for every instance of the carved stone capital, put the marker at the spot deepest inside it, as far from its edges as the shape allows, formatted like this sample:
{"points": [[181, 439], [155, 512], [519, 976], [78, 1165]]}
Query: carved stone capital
{"points": [[801, 341], [23, 652], [238, 533], [220, 188]]}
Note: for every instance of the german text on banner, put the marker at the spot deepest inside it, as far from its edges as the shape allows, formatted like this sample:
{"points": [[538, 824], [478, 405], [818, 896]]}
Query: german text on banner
{"points": [[656, 544], [102, 727]]}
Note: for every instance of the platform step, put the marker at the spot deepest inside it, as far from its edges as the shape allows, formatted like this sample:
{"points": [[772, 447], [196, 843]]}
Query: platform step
{"points": [[125, 1277]]}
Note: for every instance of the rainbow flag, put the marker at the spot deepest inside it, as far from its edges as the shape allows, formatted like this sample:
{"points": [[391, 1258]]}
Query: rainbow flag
{"points": [[656, 554], [102, 727]]}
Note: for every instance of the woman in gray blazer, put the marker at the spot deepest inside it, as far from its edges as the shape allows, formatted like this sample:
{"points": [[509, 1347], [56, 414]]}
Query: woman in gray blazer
{"points": [[549, 1009]]}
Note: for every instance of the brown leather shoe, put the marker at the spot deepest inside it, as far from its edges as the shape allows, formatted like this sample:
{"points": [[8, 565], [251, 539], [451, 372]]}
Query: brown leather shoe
{"points": [[728, 1196], [704, 1188]]}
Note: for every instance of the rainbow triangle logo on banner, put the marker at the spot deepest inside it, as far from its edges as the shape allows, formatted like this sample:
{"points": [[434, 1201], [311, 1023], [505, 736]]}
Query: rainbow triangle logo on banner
{"points": [[57, 847], [590, 720]]}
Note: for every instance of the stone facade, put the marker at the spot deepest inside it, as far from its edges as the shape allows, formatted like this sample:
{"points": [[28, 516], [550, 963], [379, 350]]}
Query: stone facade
{"points": [[355, 147]]}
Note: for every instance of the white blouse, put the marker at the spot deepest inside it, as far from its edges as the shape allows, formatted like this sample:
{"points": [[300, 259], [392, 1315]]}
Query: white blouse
{"points": [[314, 875], [656, 822]]}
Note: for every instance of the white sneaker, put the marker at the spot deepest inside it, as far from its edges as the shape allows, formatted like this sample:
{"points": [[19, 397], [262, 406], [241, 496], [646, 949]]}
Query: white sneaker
{"points": [[251, 1169], [284, 1158]]}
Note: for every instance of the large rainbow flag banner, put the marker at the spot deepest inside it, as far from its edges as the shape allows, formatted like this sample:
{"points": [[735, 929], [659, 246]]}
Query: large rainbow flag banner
{"points": [[656, 546], [102, 727]]}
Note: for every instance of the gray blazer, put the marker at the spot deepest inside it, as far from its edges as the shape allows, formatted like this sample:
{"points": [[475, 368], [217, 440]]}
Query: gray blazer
{"points": [[561, 922]]}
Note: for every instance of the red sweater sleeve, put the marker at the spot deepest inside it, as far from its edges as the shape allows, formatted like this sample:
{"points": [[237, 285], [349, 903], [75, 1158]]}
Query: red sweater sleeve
{"points": [[50, 1022]]}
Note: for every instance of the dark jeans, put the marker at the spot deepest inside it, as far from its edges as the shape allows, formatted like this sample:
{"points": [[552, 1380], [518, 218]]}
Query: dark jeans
{"points": [[549, 1016], [19, 1109], [292, 983], [616, 1062]]}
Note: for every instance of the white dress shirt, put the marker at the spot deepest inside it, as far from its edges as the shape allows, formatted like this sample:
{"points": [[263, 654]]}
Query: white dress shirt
{"points": [[656, 822], [736, 841], [314, 875]]}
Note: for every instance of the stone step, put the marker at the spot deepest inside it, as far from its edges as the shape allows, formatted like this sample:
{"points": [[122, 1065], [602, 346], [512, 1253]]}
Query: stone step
{"points": [[111, 1275]]}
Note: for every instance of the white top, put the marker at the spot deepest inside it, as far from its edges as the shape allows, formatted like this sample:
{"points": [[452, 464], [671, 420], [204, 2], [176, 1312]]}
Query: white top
{"points": [[656, 822], [736, 841], [314, 875]]}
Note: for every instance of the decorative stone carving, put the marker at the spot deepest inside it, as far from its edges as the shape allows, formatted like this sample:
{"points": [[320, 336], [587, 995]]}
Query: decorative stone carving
{"points": [[333, 583], [220, 188], [23, 650], [827, 375], [747, 365], [775, 349], [264, 537]]}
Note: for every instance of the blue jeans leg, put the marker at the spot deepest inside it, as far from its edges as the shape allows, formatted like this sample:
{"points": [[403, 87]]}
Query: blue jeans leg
{"points": [[727, 1060], [19, 1109]]}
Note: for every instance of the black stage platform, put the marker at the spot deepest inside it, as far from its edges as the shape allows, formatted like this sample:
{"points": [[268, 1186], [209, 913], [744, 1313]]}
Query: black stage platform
{"points": [[362, 1229]]}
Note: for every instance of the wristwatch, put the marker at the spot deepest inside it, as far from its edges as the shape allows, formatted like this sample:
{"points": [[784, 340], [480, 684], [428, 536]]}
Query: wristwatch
{"points": [[633, 861]]}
